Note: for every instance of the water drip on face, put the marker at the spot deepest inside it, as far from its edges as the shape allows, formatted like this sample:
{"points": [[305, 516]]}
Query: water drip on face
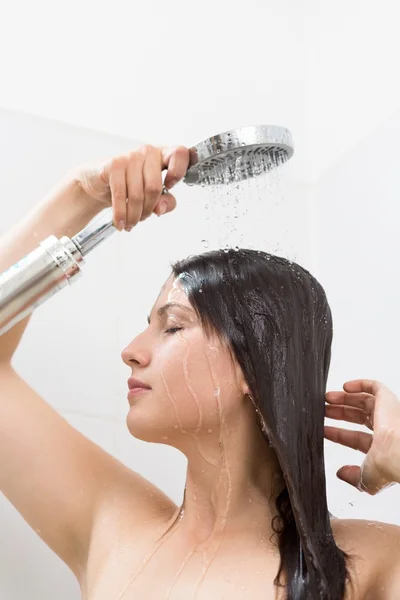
{"points": [[208, 548], [174, 296], [211, 549]]}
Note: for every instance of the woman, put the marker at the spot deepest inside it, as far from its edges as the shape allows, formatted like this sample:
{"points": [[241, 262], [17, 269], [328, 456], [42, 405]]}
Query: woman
{"points": [[235, 362]]}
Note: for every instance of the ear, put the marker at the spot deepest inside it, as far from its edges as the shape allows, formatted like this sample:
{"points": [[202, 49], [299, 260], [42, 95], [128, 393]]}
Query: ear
{"points": [[240, 379], [243, 385], [245, 389]]}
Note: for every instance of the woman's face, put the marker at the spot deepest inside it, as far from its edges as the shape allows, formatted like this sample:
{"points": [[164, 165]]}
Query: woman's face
{"points": [[194, 382]]}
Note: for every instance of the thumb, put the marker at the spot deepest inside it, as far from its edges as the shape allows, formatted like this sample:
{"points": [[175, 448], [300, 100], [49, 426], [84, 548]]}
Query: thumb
{"points": [[351, 474], [167, 201], [176, 160], [364, 478]]}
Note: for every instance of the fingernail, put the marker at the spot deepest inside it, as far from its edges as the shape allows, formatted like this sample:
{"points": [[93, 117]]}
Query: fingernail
{"points": [[121, 225], [128, 229]]}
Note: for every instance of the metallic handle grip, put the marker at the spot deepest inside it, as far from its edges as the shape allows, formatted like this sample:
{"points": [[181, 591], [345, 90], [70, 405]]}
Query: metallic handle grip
{"points": [[48, 269], [99, 229], [37, 277]]}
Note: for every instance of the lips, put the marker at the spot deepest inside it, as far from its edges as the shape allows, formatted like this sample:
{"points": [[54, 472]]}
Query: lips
{"points": [[135, 383]]}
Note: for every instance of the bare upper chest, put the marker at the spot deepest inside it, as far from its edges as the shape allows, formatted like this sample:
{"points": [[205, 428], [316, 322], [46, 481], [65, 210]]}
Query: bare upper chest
{"points": [[128, 564], [133, 559]]}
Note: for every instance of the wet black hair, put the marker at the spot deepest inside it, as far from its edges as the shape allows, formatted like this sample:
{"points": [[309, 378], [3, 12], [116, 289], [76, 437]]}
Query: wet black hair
{"points": [[275, 317]]}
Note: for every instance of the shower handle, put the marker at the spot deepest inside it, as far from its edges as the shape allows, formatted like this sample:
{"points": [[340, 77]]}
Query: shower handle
{"points": [[53, 265]]}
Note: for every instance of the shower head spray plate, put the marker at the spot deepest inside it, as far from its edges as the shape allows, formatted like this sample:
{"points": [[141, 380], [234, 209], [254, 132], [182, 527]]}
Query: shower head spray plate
{"points": [[236, 153]]}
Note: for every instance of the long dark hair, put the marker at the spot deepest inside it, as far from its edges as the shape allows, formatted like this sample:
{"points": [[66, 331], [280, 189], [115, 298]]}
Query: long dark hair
{"points": [[276, 319]]}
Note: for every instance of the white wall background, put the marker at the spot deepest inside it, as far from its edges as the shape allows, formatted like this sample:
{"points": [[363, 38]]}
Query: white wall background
{"points": [[170, 73], [357, 211], [174, 73]]}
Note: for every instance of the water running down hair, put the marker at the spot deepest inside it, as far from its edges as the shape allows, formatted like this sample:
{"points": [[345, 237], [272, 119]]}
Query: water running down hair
{"points": [[275, 317]]}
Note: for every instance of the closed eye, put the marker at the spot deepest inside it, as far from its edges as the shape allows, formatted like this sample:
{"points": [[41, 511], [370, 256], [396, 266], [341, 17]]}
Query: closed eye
{"points": [[174, 329]]}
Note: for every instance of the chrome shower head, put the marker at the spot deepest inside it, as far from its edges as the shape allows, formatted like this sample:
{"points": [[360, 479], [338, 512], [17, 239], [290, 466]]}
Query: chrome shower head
{"points": [[231, 156], [238, 154]]}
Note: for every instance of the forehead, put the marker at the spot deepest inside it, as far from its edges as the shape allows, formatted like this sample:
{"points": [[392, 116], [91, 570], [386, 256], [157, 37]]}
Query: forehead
{"points": [[171, 291], [171, 294]]}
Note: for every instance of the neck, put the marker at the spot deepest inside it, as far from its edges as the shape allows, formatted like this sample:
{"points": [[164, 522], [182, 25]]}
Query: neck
{"points": [[231, 492]]}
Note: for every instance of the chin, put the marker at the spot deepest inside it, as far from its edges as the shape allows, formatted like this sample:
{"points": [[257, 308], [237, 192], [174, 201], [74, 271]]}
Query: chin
{"points": [[142, 426]]}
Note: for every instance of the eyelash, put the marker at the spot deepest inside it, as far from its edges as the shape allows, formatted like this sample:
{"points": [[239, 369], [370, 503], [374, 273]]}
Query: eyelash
{"points": [[173, 329]]}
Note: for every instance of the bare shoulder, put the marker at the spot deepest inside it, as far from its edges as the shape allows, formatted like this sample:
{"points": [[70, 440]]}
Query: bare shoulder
{"points": [[374, 547], [125, 519], [134, 501]]}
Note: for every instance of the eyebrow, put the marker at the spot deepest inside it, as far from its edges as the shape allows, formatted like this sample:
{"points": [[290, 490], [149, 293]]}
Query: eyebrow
{"points": [[161, 311]]}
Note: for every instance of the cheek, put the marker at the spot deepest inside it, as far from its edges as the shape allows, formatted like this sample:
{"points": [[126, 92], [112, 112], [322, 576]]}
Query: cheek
{"points": [[188, 373], [192, 374]]}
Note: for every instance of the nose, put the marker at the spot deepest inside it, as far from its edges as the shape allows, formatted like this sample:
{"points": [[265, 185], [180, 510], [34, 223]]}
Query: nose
{"points": [[136, 353]]}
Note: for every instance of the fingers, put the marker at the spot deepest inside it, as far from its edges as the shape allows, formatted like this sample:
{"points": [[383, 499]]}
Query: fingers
{"points": [[135, 182], [377, 388], [176, 160], [152, 180], [118, 191], [362, 400], [364, 394], [369, 386], [350, 414], [135, 186], [358, 440]]}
